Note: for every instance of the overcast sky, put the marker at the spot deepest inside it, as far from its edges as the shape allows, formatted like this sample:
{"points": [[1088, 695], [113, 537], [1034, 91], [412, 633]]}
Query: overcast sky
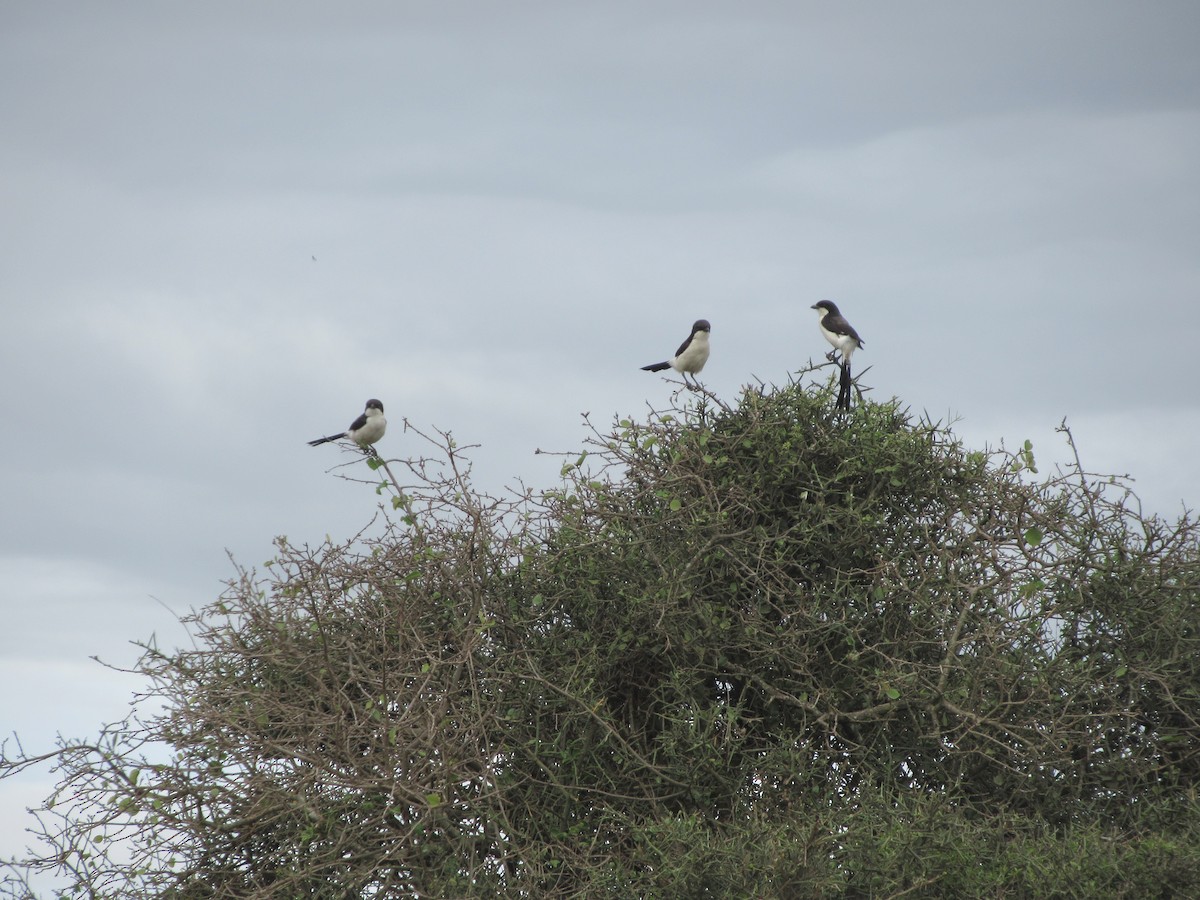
{"points": [[514, 206]]}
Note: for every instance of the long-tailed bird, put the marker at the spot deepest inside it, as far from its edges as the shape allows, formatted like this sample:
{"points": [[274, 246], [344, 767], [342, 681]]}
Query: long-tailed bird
{"points": [[364, 431], [692, 354], [845, 340]]}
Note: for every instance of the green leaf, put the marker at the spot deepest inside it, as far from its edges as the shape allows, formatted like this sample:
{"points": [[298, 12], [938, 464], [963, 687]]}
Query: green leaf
{"points": [[676, 504], [1033, 536], [434, 800]]}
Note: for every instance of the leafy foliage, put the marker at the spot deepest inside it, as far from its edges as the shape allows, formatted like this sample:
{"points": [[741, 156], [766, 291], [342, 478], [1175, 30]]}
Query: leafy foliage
{"points": [[768, 650]]}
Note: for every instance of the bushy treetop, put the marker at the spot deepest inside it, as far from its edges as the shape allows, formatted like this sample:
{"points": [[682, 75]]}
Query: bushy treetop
{"points": [[763, 650]]}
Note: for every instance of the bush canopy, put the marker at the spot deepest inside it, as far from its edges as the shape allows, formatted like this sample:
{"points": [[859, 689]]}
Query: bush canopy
{"points": [[762, 650]]}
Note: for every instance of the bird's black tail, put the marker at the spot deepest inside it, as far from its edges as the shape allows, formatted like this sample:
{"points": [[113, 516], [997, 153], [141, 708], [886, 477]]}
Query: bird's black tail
{"points": [[843, 400], [325, 440], [656, 367]]}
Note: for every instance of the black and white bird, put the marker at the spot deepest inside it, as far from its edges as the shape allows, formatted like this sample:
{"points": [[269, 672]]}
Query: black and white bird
{"points": [[692, 354], [845, 341], [364, 431]]}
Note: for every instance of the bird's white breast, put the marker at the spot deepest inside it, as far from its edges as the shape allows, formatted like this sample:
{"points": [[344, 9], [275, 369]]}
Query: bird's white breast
{"points": [[373, 430], [692, 359]]}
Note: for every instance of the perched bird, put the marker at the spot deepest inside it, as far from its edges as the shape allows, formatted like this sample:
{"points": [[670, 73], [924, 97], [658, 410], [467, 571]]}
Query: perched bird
{"points": [[364, 431], [845, 340], [691, 355]]}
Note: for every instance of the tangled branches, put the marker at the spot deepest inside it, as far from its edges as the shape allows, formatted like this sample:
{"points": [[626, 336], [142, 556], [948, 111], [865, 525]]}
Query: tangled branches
{"points": [[765, 649]]}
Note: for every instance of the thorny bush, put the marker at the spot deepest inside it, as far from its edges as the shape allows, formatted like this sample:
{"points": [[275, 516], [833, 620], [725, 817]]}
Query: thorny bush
{"points": [[762, 650]]}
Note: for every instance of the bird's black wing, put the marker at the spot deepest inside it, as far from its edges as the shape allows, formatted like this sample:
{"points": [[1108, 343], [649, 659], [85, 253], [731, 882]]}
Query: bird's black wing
{"points": [[839, 325]]}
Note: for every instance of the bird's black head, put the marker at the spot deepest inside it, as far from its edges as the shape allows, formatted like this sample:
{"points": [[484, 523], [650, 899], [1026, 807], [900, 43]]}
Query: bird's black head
{"points": [[828, 305], [701, 325], [375, 404]]}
